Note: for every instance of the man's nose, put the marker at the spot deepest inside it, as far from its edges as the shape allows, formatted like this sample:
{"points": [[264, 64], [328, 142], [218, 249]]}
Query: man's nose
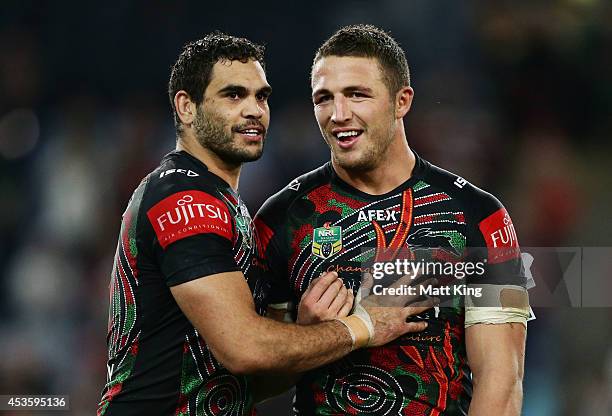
{"points": [[342, 112], [252, 108]]}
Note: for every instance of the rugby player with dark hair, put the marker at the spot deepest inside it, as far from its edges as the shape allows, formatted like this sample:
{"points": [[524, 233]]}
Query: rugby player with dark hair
{"points": [[185, 325], [377, 195]]}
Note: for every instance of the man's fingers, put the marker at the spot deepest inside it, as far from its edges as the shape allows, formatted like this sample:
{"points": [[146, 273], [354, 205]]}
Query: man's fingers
{"points": [[432, 281], [348, 305], [419, 301], [330, 294], [367, 283], [427, 304], [339, 301], [404, 280], [415, 310], [415, 326], [321, 284]]}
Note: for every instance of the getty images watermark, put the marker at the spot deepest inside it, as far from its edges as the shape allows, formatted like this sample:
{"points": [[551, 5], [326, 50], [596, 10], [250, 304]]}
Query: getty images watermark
{"points": [[398, 277], [555, 277]]}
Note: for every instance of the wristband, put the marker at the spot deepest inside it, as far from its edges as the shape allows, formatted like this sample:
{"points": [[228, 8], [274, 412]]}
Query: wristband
{"points": [[360, 327]]}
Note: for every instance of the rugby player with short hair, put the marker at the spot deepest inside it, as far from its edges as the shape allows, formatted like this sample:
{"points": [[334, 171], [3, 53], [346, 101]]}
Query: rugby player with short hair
{"points": [[185, 325], [376, 196]]}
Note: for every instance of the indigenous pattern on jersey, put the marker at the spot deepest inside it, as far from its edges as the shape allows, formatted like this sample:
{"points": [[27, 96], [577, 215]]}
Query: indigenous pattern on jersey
{"points": [[182, 223], [319, 223]]}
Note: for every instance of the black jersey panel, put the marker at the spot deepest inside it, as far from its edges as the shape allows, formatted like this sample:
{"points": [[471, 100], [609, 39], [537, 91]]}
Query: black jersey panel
{"points": [[197, 256], [182, 223]]}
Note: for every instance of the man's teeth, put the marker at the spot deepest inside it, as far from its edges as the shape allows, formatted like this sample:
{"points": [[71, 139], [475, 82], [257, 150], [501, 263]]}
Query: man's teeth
{"points": [[347, 134], [251, 132]]}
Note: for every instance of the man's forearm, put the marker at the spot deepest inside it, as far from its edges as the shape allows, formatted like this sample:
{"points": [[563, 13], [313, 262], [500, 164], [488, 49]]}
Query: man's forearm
{"points": [[498, 395], [281, 347]]}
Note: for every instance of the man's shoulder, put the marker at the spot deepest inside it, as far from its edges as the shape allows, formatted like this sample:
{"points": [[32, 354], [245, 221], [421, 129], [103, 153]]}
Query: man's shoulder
{"points": [[282, 201], [177, 173], [181, 198], [471, 197]]}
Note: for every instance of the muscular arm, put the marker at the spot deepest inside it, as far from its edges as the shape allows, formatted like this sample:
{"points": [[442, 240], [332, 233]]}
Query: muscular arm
{"points": [[496, 355], [222, 310], [325, 299]]}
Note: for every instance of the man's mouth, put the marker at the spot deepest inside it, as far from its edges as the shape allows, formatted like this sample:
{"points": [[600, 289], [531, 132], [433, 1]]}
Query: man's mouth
{"points": [[346, 138], [252, 133]]}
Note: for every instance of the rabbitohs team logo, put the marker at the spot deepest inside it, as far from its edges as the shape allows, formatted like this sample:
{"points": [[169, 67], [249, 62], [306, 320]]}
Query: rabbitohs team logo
{"points": [[326, 241]]}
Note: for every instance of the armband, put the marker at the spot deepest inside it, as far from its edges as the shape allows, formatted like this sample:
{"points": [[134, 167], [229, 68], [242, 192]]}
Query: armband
{"points": [[497, 304], [360, 331]]}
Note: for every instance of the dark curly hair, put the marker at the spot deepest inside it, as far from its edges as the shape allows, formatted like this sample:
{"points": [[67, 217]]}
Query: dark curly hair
{"points": [[192, 70], [368, 41]]}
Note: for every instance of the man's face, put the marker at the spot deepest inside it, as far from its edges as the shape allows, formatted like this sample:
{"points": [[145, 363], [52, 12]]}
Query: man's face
{"points": [[354, 110], [234, 116]]}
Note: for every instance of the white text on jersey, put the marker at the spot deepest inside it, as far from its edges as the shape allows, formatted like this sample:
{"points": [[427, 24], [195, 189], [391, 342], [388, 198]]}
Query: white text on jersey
{"points": [[377, 214]]}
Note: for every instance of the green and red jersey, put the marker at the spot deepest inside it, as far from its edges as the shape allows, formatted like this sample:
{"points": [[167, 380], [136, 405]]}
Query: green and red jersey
{"points": [[320, 223], [182, 223]]}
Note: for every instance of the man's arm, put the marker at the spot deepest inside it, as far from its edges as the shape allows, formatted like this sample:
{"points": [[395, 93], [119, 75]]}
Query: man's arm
{"points": [[326, 298], [496, 355], [221, 308]]}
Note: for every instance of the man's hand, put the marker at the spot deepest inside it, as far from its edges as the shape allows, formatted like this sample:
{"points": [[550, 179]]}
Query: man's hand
{"points": [[388, 313], [370, 298], [390, 321], [325, 299], [385, 316]]}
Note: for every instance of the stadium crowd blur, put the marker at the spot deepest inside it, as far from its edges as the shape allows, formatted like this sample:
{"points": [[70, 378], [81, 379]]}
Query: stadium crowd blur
{"points": [[514, 96]]}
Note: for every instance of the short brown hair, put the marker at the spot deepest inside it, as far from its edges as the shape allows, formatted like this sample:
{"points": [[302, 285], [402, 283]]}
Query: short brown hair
{"points": [[368, 41]]}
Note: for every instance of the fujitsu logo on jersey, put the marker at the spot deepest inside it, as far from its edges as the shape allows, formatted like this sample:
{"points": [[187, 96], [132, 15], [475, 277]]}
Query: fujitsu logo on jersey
{"points": [[188, 213], [506, 235], [186, 210], [500, 237]]}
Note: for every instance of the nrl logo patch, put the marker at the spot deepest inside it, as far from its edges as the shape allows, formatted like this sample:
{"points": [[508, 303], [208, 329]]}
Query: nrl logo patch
{"points": [[326, 241]]}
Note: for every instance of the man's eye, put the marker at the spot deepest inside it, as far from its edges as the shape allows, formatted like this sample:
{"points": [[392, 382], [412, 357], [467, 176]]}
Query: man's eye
{"points": [[262, 97], [233, 95], [321, 99], [358, 95]]}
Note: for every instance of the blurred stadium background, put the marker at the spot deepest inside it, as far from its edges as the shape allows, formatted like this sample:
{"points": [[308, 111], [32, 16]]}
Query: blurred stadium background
{"points": [[515, 96]]}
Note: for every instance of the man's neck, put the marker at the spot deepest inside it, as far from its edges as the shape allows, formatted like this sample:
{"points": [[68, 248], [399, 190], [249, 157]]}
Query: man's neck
{"points": [[230, 173], [394, 169]]}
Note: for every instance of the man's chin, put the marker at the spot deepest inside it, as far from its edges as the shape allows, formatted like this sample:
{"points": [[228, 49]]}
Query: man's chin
{"points": [[253, 152], [252, 157], [356, 164], [247, 155]]}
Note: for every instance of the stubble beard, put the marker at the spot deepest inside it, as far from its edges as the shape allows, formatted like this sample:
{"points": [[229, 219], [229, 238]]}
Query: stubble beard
{"points": [[371, 157], [210, 132]]}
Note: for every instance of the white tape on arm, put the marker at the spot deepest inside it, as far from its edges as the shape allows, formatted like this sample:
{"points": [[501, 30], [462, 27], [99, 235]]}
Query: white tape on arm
{"points": [[498, 304], [359, 324]]}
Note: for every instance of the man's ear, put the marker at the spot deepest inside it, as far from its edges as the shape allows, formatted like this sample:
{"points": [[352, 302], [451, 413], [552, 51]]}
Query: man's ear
{"points": [[185, 108], [403, 101]]}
